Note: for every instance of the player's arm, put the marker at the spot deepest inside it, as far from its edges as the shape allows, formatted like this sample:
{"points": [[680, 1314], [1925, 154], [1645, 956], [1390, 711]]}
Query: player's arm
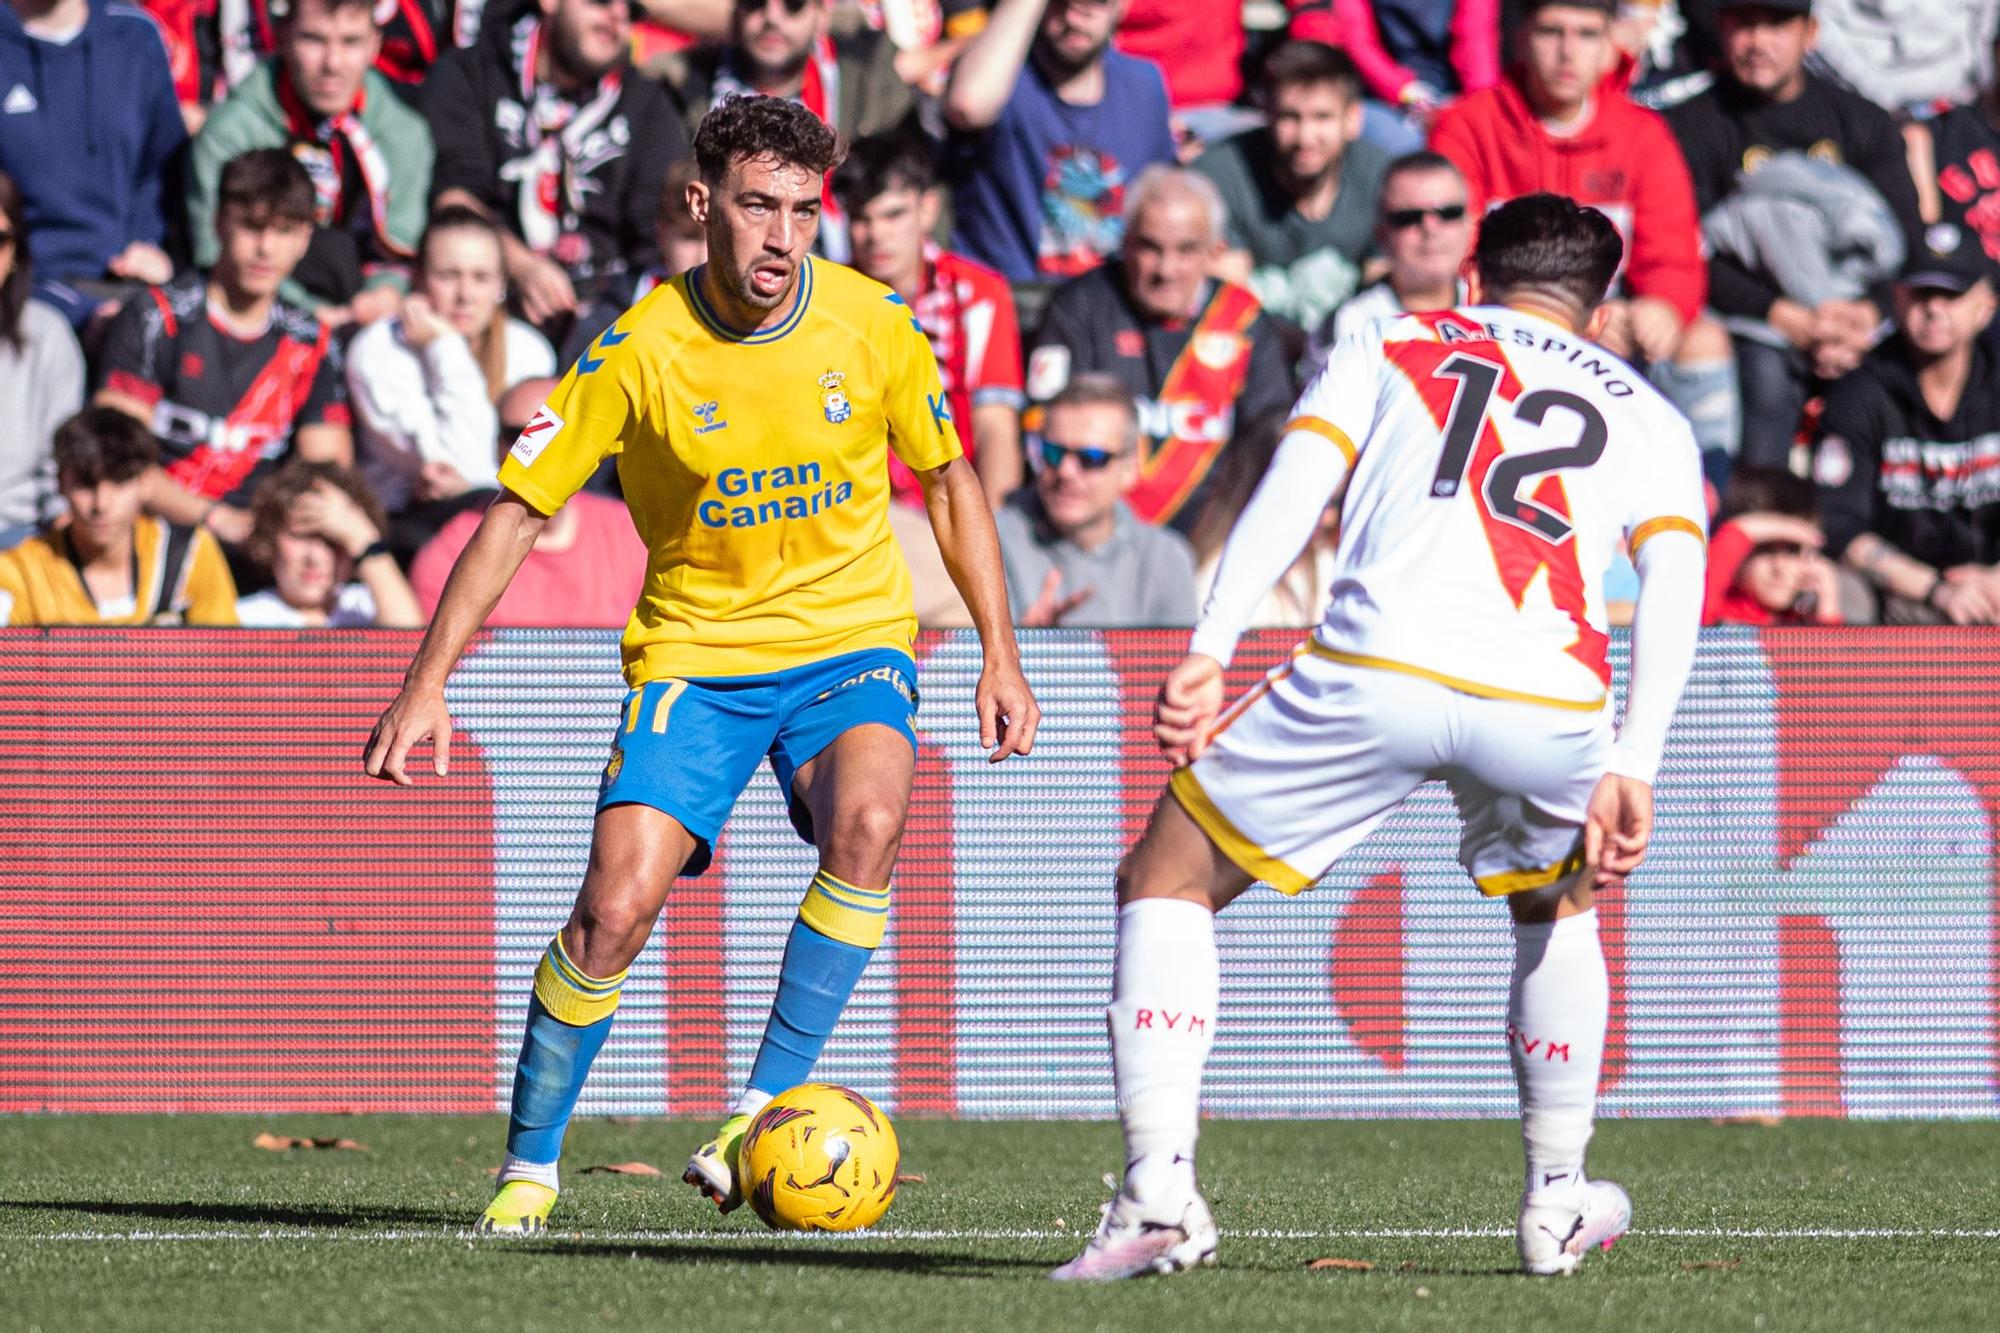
{"points": [[970, 545], [1669, 549], [1313, 458], [586, 418], [924, 436], [505, 535]]}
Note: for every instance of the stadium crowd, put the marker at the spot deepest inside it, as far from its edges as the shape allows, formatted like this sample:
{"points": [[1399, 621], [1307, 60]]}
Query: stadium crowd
{"points": [[280, 280]]}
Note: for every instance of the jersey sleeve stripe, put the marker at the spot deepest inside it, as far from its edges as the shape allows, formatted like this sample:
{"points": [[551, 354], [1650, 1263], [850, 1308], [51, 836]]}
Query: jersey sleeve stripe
{"points": [[1653, 527], [1326, 430]]}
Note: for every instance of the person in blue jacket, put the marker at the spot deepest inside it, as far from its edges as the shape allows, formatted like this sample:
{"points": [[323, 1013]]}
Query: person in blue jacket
{"points": [[92, 132]]}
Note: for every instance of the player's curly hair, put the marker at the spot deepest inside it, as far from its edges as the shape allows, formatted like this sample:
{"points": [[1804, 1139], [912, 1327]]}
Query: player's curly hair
{"points": [[1547, 243], [271, 507], [745, 127]]}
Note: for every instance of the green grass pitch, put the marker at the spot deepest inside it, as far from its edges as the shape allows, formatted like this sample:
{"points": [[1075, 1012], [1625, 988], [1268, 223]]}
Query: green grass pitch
{"points": [[179, 1223]]}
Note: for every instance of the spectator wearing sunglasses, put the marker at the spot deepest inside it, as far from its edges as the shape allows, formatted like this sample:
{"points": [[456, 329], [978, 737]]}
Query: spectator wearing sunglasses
{"points": [[1074, 553], [1424, 231], [785, 48], [1301, 190], [1560, 122], [1197, 353]]}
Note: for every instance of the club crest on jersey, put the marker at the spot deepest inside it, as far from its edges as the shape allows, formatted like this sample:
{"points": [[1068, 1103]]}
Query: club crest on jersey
{"points": [[706, 411], [833, 398]]}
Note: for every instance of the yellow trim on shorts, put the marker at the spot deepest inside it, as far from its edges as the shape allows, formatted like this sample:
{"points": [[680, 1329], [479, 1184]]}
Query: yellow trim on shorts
{"points": [[1653, 527], [1462, 686], [1527, 881], [1229, 839], [1326, 430]]}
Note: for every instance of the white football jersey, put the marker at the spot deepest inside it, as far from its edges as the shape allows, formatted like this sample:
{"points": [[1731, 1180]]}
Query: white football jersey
{"points": [[1497, 462]]}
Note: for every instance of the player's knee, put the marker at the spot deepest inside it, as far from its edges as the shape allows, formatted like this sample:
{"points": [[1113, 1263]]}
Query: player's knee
{"points": [[613, 928], [1142, 875], [867, 830]]}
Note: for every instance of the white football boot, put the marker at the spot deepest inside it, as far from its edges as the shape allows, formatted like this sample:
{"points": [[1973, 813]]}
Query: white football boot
{"points": [[1156, 1223], [1554, 1235]]}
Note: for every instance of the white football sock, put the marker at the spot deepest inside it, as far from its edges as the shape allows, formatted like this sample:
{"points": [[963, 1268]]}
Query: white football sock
{"points": [[751, 1102], [1164, 988], [541, 1173], [1557, 1010]]}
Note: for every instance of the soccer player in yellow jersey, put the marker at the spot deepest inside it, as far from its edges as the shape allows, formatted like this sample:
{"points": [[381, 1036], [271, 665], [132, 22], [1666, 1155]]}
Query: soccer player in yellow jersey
{"points": [[751, 404]]}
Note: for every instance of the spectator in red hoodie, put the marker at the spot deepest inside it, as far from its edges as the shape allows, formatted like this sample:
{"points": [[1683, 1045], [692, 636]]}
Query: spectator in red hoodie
{"points": [[1561, 122]]}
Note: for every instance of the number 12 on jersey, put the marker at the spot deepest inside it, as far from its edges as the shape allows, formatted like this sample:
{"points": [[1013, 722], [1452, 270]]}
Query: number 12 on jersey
{"points": [[1478, 380]]}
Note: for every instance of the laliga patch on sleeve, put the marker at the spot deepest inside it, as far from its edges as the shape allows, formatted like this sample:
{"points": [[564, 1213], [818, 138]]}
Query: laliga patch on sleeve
{"points": [[535, 436], [1048, 372]]}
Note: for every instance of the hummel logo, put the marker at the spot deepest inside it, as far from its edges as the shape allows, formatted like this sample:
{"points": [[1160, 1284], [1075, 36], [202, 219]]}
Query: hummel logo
{"points": [[707, 411], [20, 101]]}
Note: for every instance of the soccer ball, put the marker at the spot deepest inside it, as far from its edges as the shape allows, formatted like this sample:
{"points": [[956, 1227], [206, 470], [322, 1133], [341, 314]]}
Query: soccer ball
{"points": [[819, 1158]]}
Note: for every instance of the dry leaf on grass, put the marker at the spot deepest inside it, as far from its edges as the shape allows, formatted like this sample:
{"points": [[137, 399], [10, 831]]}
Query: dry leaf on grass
{"points": [[910, 1178], [1747, 1121], [1349, 1265], [622, 1169], [1718, 1265], [285, 1143]]}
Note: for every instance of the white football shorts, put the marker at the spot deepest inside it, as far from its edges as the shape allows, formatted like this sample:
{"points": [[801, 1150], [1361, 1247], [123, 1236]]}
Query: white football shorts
{"points": [[1306, 764]]}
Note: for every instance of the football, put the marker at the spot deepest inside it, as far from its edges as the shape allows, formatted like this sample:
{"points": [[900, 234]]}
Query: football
{"points": [[819, 1158]]}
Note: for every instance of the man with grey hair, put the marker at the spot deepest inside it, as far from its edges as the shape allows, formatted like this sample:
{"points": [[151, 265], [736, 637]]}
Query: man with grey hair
{"points": [[1074, 553], [1198, 354]]}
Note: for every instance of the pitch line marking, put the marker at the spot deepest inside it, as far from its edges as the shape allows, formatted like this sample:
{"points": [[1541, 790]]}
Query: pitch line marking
{"points": [[974, 1234]]}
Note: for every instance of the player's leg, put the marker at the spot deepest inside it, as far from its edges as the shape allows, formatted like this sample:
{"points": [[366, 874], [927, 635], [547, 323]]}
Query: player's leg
{"points": [[1166, 980], [1293, 781], [1524, 807], [635, 853], [682, 752], [846, 754]]}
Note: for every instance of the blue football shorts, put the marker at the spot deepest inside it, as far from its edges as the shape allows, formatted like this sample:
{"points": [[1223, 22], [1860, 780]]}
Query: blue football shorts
{"points": [[690, 747]]}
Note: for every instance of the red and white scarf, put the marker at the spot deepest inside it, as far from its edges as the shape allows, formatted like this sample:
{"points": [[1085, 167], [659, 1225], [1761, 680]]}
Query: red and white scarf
{"points": [[554, 129], [322, 143]]}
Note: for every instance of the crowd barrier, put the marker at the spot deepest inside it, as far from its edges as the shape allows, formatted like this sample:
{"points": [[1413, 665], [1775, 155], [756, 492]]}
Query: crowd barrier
{"points": [[204, 907]]}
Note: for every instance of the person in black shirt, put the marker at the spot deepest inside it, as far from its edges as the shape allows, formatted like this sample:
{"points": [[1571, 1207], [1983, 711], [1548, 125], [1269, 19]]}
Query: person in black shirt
{"points": [[1198, 354], [1765, 102], [544, 127], [1965, 158], [230, 378], [1909, 468]]}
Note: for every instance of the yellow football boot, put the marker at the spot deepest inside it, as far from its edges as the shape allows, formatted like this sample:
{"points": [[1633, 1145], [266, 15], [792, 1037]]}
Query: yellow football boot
{"points": [[712, 1169], [521, 1208]]}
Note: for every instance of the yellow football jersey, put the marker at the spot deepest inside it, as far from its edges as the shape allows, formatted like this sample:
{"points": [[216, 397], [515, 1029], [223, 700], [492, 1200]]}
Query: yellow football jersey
{"points": [[755, 467]]}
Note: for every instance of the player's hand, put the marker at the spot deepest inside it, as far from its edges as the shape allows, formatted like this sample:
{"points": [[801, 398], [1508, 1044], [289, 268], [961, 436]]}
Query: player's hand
{"points": [[1008, 713], [415, 715], [1617, 827], [1050, 605], [1190, 700]]}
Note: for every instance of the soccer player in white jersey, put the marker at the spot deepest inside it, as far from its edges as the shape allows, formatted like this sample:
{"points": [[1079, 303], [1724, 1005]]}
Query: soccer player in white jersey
{"points": [[1492, 460]]}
